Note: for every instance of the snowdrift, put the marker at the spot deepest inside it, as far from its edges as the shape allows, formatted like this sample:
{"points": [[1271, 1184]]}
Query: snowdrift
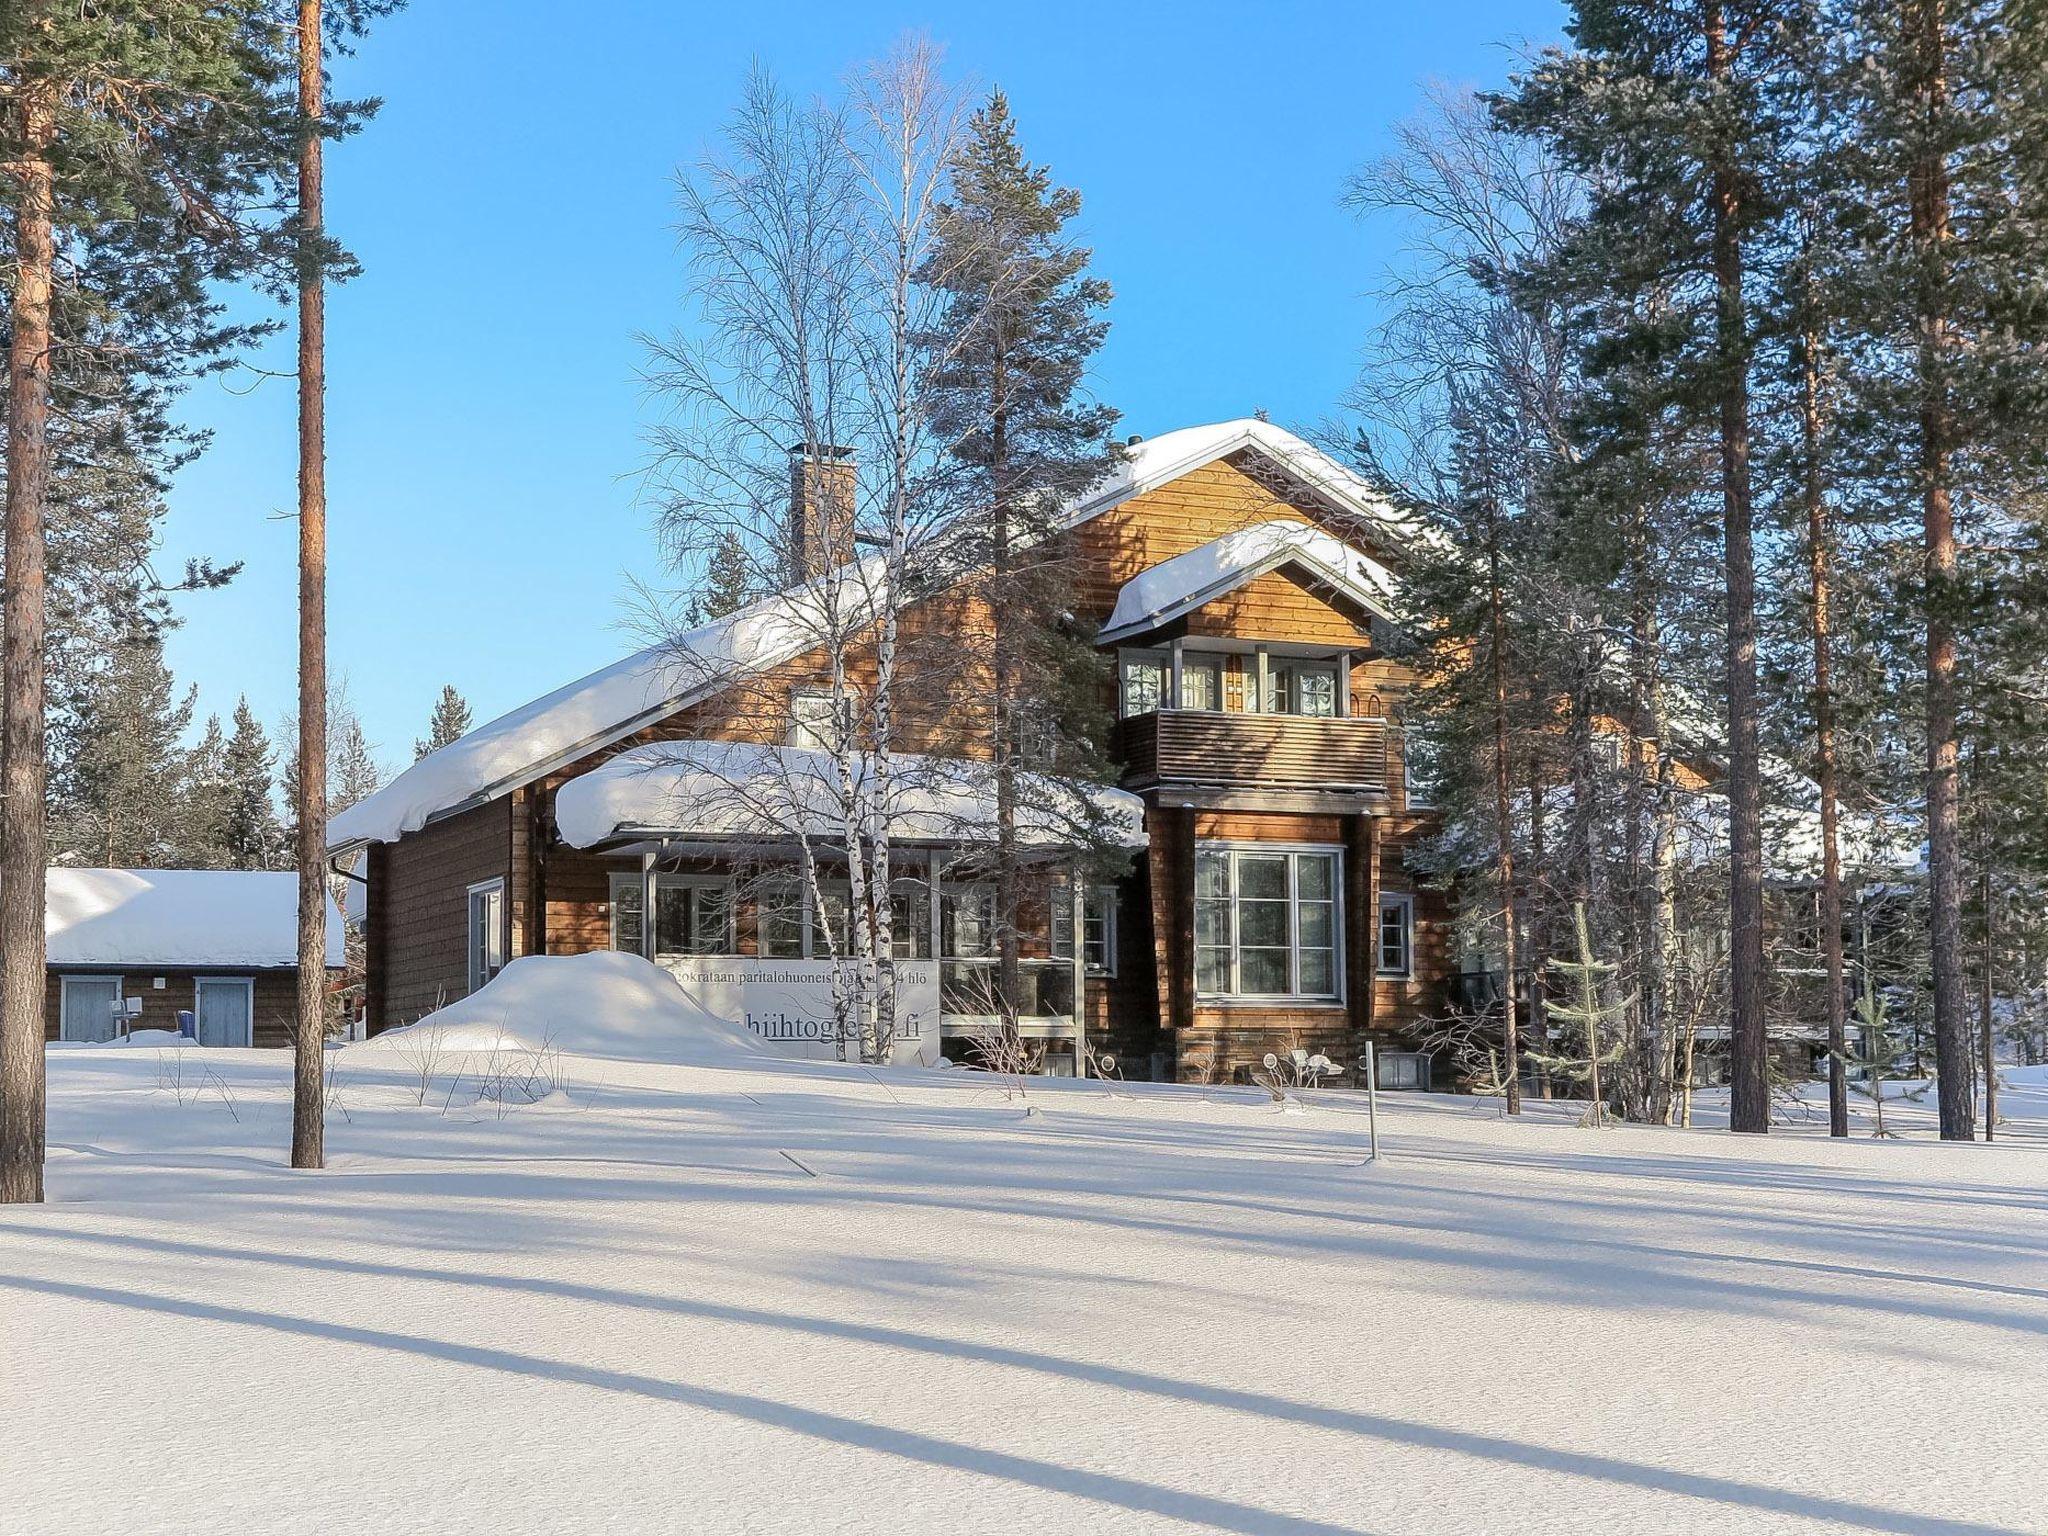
{"points": [[616, 1006], [157, 1038]]}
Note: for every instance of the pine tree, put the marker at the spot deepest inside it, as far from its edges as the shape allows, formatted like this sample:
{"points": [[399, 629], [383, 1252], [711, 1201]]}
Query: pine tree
{"points": [[449, 722], [250, 836], [1666, 107], [127, 782], [1022, 321]]}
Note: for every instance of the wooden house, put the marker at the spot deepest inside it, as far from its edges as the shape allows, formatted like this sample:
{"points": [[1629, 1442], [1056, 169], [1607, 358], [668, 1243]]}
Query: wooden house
{"points": [[132, 949], [1239, 579]]}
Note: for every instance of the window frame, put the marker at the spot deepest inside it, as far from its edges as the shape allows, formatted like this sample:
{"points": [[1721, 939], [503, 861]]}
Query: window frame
{"points": [[803, 732], [1293, 996], [635, 882], [1098, 906], [1130, 657], [681, 880], [1405, 902], [500, 940]]}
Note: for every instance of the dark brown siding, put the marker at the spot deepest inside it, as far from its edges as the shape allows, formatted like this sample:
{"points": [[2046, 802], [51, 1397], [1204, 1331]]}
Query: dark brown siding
{"points": [[275, 999], [420, 938]]}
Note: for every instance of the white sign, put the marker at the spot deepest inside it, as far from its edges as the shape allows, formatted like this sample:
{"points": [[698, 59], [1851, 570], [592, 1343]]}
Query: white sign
{"points": [[788, 1003]]}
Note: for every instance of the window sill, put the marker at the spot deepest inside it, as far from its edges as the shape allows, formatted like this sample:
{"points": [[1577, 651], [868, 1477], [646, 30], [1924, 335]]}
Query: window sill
{"points": [[1264, 1000]]}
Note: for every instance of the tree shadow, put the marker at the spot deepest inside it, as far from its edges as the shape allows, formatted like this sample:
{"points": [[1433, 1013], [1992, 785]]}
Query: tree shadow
{"points": [[1381, 1427]]}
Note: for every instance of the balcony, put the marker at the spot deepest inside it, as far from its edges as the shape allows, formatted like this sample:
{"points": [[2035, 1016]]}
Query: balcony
{"points": [[1191, 746]]}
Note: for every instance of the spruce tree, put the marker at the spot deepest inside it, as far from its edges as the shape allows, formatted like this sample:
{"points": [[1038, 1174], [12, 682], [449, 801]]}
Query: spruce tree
{"points": [[1022, 320], [203, 817], [128, 780], [731, 579], [250, 836], [449, 722]]}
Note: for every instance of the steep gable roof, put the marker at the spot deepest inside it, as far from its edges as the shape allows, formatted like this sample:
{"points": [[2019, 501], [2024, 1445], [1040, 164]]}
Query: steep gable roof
{"points": [[1177, 586], [609, 705]]}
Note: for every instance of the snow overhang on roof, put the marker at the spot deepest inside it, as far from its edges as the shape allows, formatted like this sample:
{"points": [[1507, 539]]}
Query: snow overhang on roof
{"points": [[742, 791], [194, 918], [609, 705], [1187, 581]]}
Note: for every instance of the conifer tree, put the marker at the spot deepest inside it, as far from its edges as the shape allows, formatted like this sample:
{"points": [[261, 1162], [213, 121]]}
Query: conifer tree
{"points": [[127, 782], [1666, 108], [150, 146], [250, 836], [1022, 320], [203, 817], [731, 579], [450, 721]]}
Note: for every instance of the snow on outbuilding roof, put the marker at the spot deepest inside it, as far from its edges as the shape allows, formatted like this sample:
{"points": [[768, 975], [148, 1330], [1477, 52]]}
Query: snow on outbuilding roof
{"points": [[717, 789], [610, 704], [1187, 581], [177, 917]]}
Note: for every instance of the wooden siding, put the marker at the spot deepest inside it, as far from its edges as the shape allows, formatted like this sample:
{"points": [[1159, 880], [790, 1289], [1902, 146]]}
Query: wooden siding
{"points": [[274, 999], [419, 943], [1280, 606]]}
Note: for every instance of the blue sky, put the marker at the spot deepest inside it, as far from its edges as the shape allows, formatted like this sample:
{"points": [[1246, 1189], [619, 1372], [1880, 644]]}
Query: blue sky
{"points": [[512, 206]]}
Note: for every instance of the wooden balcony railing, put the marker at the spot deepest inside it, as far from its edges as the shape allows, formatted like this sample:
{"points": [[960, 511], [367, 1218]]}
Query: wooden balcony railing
{"points": [[1185, 746]]}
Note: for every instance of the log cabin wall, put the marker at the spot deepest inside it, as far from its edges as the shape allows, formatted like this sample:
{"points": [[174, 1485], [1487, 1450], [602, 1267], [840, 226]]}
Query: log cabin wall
{"points": [[274, 997], [418, 938]]}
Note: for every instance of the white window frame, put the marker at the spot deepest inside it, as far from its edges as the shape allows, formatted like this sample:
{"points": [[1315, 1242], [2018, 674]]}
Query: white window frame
{"points": [[1405, 900], [679, 880], [502, 937], [248, 986], [626, 880], [1102, 900], [1293, 997], [804, 732], [1126, 659], [1204, 661], [64, 981]]}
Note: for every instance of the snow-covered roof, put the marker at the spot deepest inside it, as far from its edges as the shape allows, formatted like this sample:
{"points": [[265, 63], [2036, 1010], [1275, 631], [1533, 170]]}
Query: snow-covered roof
{"points": [[719, 789], [579, 717], [610, 704], [1156, 461], [177, 917], [1173, 587]]}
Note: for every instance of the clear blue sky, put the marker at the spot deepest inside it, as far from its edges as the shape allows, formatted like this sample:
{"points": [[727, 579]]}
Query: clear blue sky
{"points": [[512, 206]]}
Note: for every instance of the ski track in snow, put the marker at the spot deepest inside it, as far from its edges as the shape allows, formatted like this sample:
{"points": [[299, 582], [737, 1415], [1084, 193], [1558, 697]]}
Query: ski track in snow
{"points": [[771, 1297]]}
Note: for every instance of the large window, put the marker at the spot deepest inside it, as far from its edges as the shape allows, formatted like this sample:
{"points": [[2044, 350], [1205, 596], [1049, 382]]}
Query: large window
{"points": [[1265, 922], [692, 915], [1397, 935], [1098, 927], [486, 931], [1201, 681]]}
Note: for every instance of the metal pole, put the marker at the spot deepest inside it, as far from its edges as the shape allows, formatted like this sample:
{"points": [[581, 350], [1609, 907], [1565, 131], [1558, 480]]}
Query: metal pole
{"points": [[1372, 1100]]}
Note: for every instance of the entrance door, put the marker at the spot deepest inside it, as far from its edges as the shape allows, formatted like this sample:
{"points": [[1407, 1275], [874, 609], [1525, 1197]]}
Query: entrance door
{"points": [[224, 1011], [86, 1007]]}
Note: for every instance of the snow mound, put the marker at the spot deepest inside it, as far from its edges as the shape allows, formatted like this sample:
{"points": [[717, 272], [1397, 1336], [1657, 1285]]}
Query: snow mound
{"points": [[2024, 1077], [606, 1004], [155, 1038]]}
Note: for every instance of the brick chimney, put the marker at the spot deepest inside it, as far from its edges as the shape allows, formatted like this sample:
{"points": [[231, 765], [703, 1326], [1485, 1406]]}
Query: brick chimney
{"points": [[822, 490]]}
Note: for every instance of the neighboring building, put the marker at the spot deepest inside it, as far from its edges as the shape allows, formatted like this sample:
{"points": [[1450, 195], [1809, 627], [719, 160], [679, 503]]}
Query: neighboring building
{"points": [[220, 944], [1240, 578]]}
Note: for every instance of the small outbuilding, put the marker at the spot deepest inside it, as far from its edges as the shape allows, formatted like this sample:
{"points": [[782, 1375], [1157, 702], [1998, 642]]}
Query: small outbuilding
{"points": [[133, 948]]}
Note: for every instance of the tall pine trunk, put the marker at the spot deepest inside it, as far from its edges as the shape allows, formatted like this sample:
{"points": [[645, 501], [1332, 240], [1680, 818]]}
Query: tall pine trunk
{"points": [[1929, 194], [1819, 577], [309, 1039], [1749, 1100], [24, 768], [1503, 809]]}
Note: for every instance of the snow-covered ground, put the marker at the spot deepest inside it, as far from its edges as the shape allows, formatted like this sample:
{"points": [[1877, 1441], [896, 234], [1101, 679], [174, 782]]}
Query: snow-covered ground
{"points": [[741, 1295]]}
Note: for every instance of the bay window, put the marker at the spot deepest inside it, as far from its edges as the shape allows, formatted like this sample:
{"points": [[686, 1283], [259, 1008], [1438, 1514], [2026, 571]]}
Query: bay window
{"points": [[1265, 921]]}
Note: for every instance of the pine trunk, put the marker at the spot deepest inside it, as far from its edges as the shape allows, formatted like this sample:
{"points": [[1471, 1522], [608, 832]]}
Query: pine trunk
{"points": [[1824, 737], [1748, 1043], [24, 768], [309, 1039], [1930, 227]]}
